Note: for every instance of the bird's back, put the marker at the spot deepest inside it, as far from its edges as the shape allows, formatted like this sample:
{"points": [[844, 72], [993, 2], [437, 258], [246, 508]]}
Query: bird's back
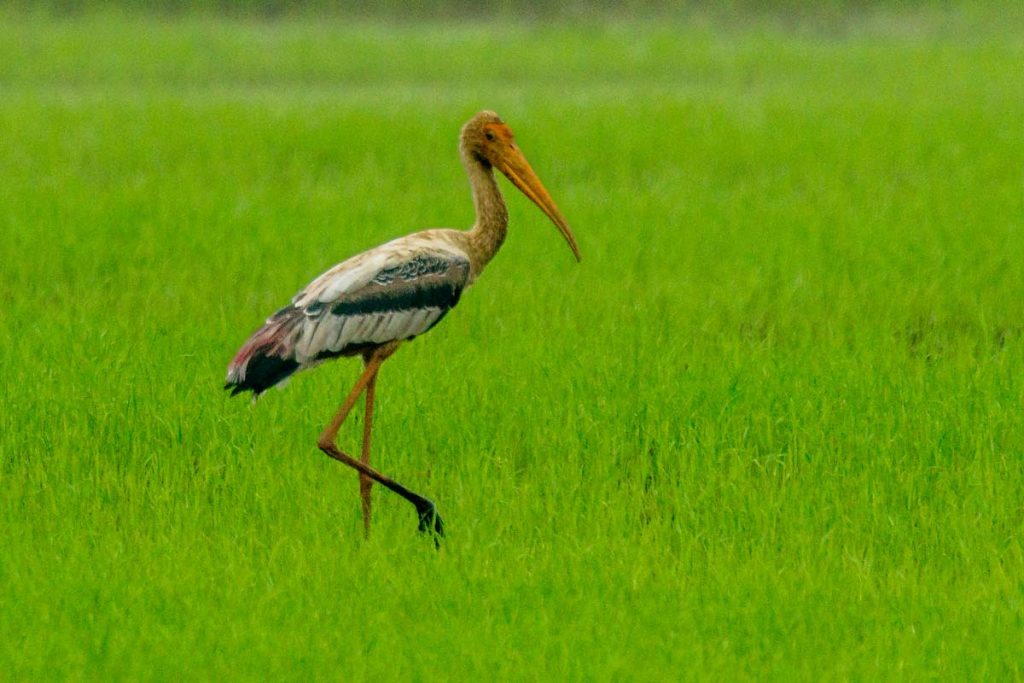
{"points": [[391, 293]]}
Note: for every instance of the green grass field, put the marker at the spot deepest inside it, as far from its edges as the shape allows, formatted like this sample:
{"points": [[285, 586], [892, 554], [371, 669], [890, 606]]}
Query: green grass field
{"points": [[770, 428]]}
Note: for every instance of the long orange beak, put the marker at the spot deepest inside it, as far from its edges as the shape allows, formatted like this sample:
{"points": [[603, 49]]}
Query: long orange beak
{"points": [[516, 168]]}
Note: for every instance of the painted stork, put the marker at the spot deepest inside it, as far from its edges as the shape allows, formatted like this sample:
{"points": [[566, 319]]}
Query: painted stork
{"points": [[369, 304]]}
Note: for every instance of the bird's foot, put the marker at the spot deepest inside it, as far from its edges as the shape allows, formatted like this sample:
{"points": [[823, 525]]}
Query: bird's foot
{"points": [[430, 521]]}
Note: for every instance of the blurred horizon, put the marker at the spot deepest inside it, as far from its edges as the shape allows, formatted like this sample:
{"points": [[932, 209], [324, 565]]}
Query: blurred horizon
{"points": [[421, 10]]}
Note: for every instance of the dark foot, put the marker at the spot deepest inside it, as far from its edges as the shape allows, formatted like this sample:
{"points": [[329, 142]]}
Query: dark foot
{"points": [[430, 521]]}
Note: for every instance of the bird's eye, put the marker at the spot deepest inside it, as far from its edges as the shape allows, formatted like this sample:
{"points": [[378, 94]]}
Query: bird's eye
{"points": [[489, 135]]}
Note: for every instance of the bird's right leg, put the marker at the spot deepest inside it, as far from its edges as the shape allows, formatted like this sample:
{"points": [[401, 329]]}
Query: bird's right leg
{"points": [[365, 483], [428, 517]]}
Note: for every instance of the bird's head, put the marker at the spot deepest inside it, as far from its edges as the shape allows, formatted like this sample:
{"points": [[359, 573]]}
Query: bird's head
{"points": [[489, 141]]}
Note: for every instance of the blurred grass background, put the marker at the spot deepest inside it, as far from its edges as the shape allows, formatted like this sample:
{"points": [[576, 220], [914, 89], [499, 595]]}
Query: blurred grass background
{"points": [[769, 428]]}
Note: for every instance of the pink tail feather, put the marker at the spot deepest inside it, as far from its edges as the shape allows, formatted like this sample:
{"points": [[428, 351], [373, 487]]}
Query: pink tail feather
{"points": [[268, 357]]}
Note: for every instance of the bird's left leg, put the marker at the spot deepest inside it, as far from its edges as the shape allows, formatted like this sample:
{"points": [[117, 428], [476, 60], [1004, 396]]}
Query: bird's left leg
{"points": [[365, 483]]}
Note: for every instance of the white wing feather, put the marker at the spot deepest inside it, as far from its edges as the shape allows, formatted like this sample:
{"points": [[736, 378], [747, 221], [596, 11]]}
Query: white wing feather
{"points": [[325, 332]]}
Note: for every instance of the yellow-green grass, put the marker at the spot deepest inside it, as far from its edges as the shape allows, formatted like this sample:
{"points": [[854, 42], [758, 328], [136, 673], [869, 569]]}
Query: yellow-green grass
{"points": [[771, 427]]}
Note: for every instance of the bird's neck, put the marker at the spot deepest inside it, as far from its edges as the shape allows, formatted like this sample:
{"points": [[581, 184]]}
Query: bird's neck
{"points": [[491, 226]]}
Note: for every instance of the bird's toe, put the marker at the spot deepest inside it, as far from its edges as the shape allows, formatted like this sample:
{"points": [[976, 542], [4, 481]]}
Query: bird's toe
{"points": [[430, 521]]}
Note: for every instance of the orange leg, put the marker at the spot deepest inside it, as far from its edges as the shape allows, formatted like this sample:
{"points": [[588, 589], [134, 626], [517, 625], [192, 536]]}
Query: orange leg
{"points": [[429, 520], [365, 483]]}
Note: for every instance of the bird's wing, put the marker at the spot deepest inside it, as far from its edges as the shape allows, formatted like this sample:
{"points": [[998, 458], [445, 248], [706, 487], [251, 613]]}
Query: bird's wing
{"points": [[392, 293]]}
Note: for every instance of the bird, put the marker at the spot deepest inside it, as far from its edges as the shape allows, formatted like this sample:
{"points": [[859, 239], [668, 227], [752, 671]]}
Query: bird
{"points": [[372, 303]]}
